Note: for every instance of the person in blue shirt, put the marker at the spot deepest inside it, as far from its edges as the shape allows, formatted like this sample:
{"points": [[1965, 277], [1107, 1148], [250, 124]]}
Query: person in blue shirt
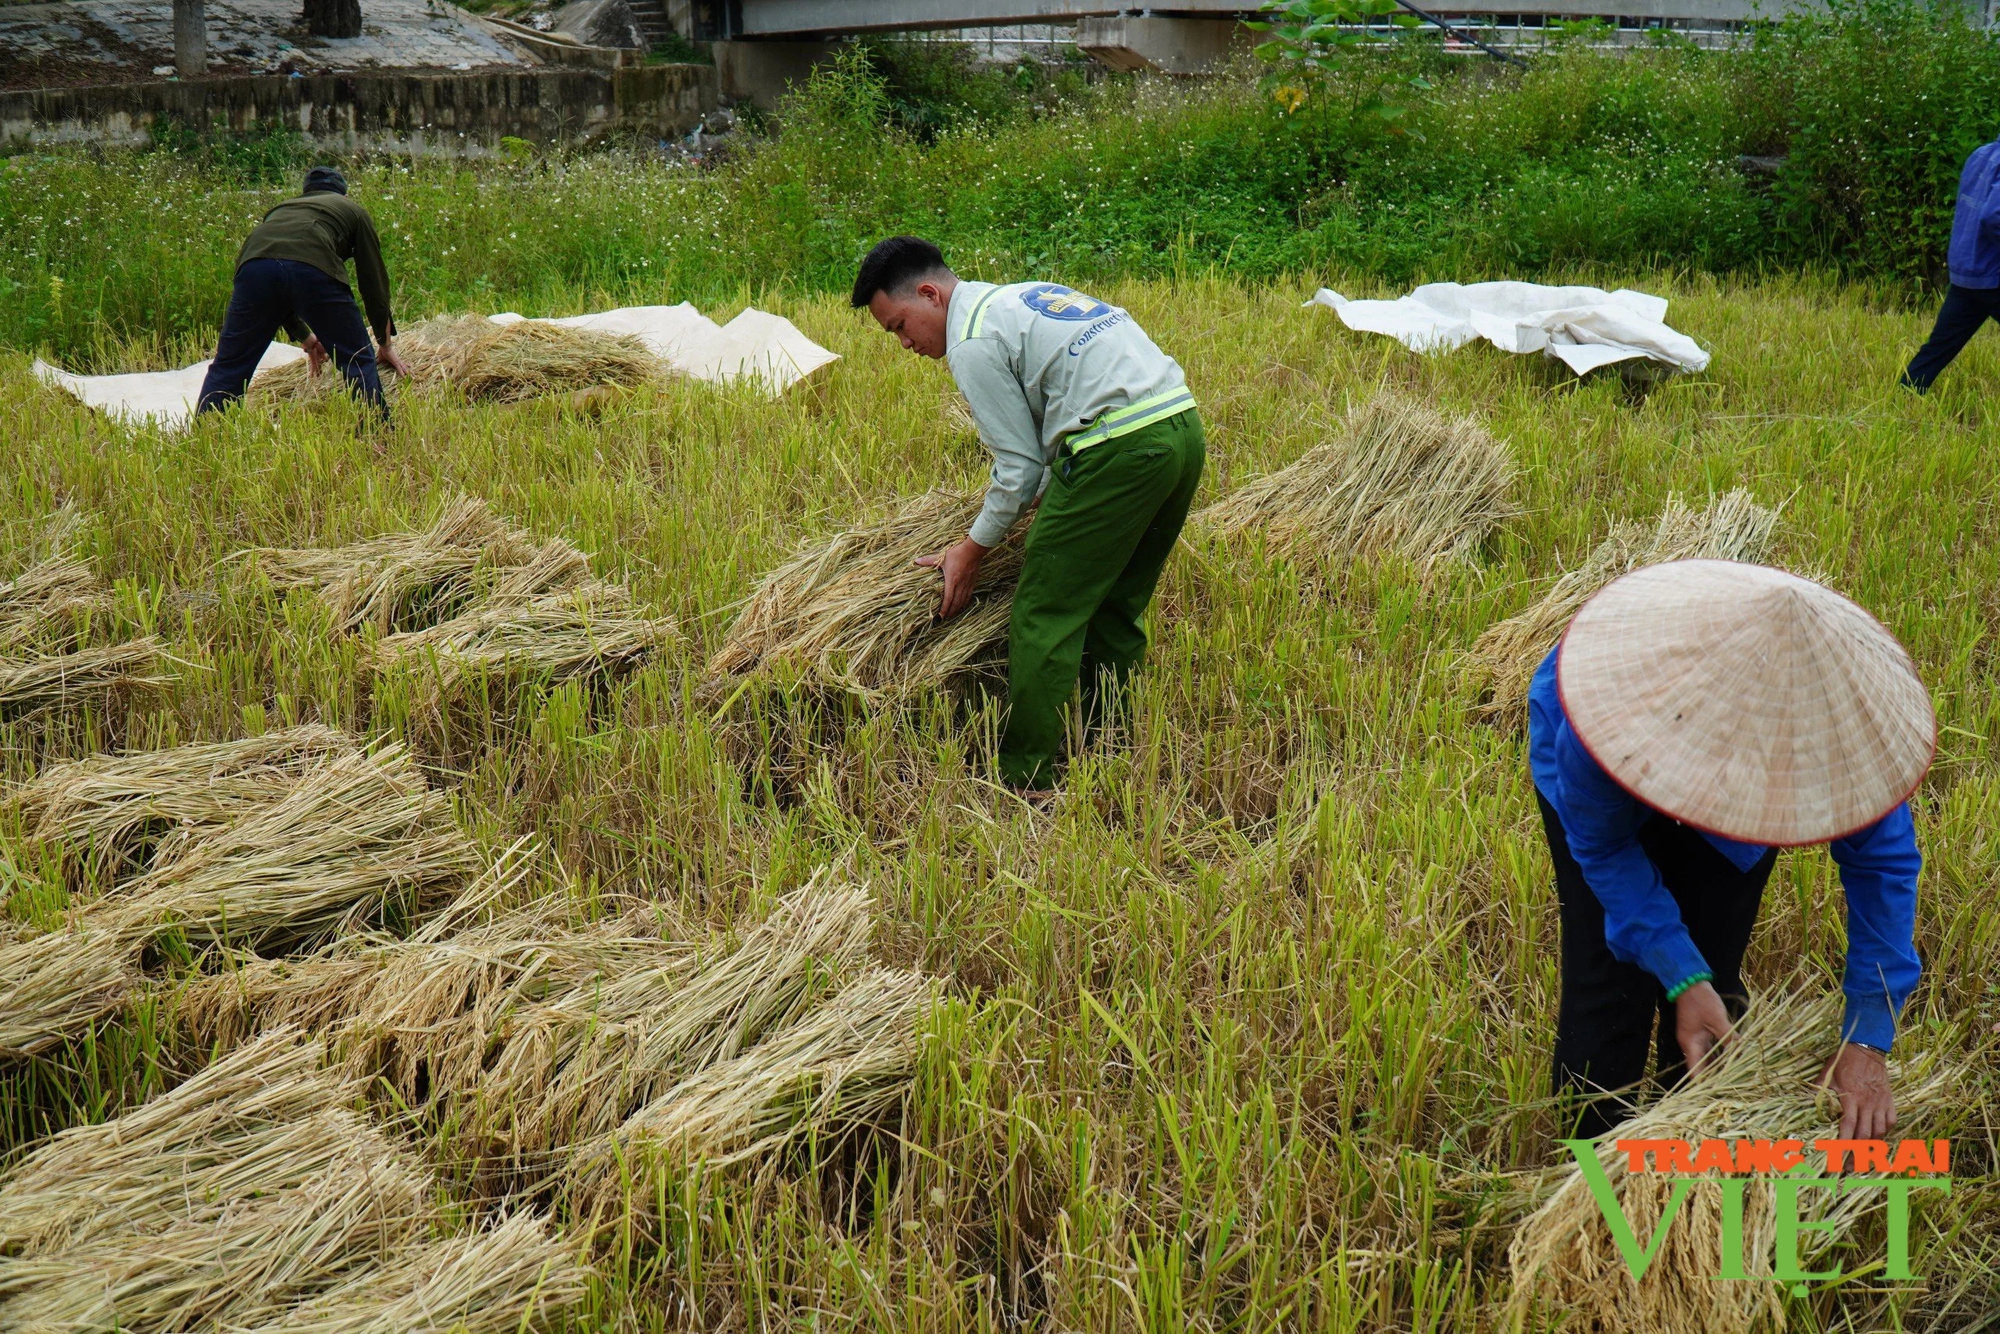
{"points": [[1974, 265], [1696, 716]]}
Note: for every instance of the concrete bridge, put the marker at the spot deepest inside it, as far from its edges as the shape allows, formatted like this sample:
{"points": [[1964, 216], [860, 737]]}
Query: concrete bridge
{"points": [[763, 44]]}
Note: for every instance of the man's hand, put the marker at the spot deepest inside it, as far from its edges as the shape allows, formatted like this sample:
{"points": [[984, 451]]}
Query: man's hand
{"points": [[960, 566], [1701, 1025], [386, 354], [315, 353], [1861, 1078]]}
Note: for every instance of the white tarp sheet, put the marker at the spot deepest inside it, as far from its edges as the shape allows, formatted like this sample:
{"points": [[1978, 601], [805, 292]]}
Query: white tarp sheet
{"points": [[756, 345], [1586, 327], [166, 397]]}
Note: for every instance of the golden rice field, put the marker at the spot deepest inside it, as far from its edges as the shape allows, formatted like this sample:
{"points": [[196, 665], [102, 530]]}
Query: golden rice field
{"points": [[491, 964]]}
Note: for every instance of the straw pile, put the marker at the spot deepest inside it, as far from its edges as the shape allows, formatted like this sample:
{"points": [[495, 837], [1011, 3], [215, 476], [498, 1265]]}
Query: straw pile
{"points": [[423, 1014], [33, 682], [1563, 1258], [573, 1069], [359, 833], [57, 587], [511, 1277], [849, 1061], [856, 613], [348, 836], [410, 580], [589, 631], [497, 363], [252, 1194], [1396, 477], [104, 813], [1734, 527], [56, 985], [531, 1044]]}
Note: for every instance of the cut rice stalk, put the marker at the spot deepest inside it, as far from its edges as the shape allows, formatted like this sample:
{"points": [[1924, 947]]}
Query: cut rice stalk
{"points": [[359, 832], [57, 587], [38, 681], [251, 1187], [265, 1117], [408, 580], [850, 1062], [1396, 476], [1564, 1259], [57, 985], [513, 1276], [498, 363], [581, 632], [101, 811], [573, 1069], [857, 613], [1732, 527]]}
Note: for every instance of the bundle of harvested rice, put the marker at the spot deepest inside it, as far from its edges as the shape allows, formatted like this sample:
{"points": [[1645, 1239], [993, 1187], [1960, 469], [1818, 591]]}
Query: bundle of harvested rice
{"points": [[57, 587], [249, 1189], [267, 1117], [1395, 477], [582, 632], [856, 613], [1734, 527], [424, 1014], [36, 681], [357, 834], [349, 836], [408, 580], [104, 811], [511, 1277], [848, 1062], [57, 985], [573, 1069], [499, 363], [1564, 1259]]}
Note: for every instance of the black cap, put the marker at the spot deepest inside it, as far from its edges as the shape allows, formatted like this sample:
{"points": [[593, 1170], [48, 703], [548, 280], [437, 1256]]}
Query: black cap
{"points": [[325, 178]]}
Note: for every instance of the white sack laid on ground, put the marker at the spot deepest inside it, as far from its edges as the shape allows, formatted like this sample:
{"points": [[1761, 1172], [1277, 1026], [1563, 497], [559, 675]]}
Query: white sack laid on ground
{"points": [[1586, 327], [756, 345]]}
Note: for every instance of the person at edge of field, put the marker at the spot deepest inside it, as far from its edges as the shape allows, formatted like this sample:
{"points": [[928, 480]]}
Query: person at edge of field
{"points": [[1087, 418], [292, 274], [1973, 263], [1695, 717]]}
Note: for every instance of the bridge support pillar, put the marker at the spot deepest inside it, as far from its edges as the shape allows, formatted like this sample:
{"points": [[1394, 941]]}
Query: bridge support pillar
{"points": [[1168, 46], [760, 72]]}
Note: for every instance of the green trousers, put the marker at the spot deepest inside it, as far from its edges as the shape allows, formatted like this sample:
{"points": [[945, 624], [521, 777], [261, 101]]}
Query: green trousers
{"points": [[1107, 523]]}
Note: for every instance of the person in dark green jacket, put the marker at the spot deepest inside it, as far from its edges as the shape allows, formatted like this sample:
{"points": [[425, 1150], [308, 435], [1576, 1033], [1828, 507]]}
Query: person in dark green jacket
{"points": [[292, 274]]}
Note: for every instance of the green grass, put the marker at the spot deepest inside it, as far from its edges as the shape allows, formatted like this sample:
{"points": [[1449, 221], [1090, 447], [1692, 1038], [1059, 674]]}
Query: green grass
{"points": [[1247, 1029]]}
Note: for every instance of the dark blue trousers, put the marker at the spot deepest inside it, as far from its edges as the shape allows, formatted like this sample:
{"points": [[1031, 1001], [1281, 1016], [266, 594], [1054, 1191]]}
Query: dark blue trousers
{"points": [[271, 294], [1964, 310]]}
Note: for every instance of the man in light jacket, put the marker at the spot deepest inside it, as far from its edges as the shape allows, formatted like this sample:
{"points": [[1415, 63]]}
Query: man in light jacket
{"points": [[1974, 262], [1080, 408]]}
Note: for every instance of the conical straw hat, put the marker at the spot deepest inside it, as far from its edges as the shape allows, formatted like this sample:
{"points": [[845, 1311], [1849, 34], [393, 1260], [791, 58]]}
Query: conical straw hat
{"points": [[1746, 701]]}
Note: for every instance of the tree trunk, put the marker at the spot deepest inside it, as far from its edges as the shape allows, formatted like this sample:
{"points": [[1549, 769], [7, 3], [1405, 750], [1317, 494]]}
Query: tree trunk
{"points": [[190, 38], [333, 18]]}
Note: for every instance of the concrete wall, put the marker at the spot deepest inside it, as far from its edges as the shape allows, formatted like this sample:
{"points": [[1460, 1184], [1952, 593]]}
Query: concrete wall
{"points": [[410, 113]]}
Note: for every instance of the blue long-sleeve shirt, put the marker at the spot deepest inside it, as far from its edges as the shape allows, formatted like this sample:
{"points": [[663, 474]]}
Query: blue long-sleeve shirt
{"points": [[1642, 923], [1974, 257]]}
